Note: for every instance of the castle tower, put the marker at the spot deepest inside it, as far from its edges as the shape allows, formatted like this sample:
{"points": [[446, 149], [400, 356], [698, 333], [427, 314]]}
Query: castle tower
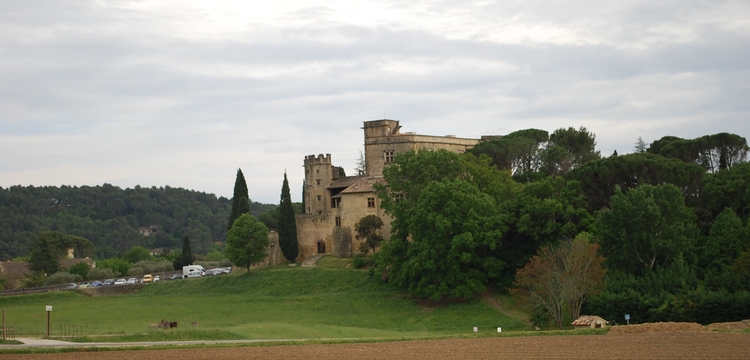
{"points": [[377, 133], [318, 176]]}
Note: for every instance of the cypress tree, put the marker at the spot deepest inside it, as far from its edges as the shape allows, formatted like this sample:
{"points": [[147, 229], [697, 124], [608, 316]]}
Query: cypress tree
{"points": [[287, 224], [186, 258], [240, 199], [304, 183]]}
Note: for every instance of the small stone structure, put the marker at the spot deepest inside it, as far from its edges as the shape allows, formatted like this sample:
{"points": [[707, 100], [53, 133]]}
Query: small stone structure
{"points": [[589, 322]]}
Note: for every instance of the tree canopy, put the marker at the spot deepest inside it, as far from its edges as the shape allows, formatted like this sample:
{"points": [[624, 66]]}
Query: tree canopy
{"points": [[246, 242]]}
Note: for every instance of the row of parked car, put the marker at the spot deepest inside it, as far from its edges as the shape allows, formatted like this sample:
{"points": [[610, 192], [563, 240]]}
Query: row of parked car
{"points": [[144, 280]]}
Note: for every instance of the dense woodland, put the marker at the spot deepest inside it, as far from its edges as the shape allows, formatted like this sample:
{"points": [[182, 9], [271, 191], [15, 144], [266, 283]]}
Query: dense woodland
{"points": [[110, 217], [660, 233]]}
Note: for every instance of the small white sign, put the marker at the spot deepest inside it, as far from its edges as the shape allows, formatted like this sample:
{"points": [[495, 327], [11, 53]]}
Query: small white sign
{"points": [[476, 329], [49, 307], [499, 329]]}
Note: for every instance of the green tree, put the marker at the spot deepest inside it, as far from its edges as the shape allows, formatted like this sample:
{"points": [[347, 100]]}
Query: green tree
{"points": [[723, 245], [119, 266], [246, 242], [136, 254], [240, 199], [570, 148], [361, 167], [287, 224], [647, 228], [302, 206], [454, 228], [81, 268], [599, 179], [640, 146], [407, 179], [367, 231], [186, 257], [46, 252]]}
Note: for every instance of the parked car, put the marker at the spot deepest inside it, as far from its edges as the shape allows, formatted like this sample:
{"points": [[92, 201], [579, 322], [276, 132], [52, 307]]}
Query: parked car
{"points": [[132, 281], [121, 282], [177, 276], [72, 286], [109, 282], [214, 272], [147, 279], [84, 285], [226, 270], [156, 278], [96, 284]]}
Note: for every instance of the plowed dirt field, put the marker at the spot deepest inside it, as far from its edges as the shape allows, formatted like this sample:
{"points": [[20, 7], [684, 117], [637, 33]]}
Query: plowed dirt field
{"points": [[685, 345]]}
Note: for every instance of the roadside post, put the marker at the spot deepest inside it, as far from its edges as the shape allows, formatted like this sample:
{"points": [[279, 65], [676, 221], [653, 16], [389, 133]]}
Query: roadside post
{"points": [[4, 324], [627, 318], [49, 310]]}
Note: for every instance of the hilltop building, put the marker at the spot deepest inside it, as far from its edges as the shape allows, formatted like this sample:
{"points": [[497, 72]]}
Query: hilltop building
{"points": [[334, 203]]}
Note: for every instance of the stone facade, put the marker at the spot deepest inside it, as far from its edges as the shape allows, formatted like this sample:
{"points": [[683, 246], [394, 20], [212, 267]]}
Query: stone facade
{"points": [[334, 203]]}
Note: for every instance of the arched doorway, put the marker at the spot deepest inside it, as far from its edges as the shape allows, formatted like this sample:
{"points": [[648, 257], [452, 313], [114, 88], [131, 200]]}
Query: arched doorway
{"points": [[321, 247]]}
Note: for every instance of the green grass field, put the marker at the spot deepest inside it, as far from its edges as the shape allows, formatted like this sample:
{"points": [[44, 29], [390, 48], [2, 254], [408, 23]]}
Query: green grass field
{"points": [[329, 301]]}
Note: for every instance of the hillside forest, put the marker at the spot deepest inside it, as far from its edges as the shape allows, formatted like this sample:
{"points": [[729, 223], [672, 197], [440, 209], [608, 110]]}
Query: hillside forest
{"points": [[111, 217]]}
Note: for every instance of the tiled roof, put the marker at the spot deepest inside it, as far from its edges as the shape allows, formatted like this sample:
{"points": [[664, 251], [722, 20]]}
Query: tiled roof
{"points": [[344, 182], [363, 185]]}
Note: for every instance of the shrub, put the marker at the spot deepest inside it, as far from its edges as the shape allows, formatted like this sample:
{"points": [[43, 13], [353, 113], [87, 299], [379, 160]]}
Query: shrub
{"points": [[148, 267], [214, 264], [101, 273], [35, 278], [360, 261], [63, 277]]}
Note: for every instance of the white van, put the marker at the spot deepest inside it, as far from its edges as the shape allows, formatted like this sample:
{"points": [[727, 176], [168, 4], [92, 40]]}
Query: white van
{"points": [[193, 271]]}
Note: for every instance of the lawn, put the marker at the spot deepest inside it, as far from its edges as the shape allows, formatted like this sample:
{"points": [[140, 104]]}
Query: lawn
{"points": [[330, 301]]}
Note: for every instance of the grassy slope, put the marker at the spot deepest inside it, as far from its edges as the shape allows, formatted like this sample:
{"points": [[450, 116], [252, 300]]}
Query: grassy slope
{"points": [[281, 302]]}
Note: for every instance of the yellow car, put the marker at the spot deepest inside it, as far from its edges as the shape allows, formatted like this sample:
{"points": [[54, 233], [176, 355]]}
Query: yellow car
{"points": [[147, 279]]}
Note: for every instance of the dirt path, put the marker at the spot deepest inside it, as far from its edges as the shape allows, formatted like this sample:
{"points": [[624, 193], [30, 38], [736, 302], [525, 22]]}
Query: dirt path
{"points": [[696, 345]]}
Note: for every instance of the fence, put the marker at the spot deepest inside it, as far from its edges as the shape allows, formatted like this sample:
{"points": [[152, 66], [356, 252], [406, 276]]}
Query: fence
{"points": [[9, 333], [71, 331]]}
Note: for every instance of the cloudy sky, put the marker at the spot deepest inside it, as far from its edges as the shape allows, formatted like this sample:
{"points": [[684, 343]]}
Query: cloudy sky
{"points": [[182, 93]]}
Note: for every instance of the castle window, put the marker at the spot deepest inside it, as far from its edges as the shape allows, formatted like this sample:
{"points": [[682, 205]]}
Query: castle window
{"points": [[338, 221], [317, 181], [336, 203], [317, 171], [388, 156], [318, 197], [370, 202]]}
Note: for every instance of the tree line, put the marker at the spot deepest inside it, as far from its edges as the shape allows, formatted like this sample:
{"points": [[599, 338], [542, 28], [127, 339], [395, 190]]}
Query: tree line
{"points": [[110, 217], [662, 231]]}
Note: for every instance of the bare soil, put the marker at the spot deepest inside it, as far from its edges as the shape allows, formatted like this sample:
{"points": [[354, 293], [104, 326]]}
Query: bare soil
{"points": [[672, 345], [660, 327]]}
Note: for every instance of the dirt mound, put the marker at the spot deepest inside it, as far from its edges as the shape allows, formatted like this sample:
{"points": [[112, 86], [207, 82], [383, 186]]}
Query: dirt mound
{"points": [[662, 327], [728, 326]]}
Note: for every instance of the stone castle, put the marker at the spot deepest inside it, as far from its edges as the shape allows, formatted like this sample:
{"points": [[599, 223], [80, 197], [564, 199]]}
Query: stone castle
{"points": [[334, 203]]}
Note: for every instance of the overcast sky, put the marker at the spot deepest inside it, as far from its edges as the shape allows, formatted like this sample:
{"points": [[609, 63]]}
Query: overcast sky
{"points": [[182, 93]]}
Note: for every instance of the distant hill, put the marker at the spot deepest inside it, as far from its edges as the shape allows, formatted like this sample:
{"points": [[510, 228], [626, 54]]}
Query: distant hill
{"points": [[112, 218]]}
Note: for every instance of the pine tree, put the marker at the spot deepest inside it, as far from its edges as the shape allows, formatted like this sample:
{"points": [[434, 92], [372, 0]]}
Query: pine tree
{"points": [[240, 199], [287, 224]]}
